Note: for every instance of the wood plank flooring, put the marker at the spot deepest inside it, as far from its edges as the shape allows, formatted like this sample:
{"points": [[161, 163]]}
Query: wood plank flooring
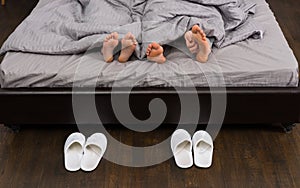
{"points": [[244, 156]]}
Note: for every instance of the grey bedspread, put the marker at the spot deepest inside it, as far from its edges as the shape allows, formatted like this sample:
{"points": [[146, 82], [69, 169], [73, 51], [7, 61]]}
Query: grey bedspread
{"points": [[268, 62], [72, 26]]}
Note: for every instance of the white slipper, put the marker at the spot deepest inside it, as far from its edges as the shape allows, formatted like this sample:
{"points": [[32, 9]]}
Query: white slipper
{"points": [[181, 145], [73, 151], [94, 149], [203, 149]]}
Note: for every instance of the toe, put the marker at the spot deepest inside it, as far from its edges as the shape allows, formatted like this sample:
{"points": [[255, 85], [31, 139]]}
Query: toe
{"points": [[190, 44], [155, 45], [196, 29], [203, 35], [115, 35], [188, 36], [128, 36], [202, 32], [193, 49], [132, 38], [149, 48], [148, 52]]}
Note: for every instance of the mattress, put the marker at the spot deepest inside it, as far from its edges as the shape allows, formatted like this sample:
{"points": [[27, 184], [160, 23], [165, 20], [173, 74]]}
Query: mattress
{"points": [[267, 62]]}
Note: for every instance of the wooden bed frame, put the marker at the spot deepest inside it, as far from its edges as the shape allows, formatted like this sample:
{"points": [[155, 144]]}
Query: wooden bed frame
{"points": [[244, 105]]}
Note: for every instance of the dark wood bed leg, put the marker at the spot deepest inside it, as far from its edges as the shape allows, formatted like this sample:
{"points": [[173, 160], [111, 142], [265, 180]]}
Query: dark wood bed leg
{"points": [[288, 127], [15, 128]]}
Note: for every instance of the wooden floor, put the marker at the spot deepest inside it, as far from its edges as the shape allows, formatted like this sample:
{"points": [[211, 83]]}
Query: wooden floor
{"points": [[245, 156]]}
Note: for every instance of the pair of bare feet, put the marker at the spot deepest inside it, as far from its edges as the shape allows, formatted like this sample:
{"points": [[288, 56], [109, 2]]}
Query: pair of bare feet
{"points": [[196, 42], [112, 41]]}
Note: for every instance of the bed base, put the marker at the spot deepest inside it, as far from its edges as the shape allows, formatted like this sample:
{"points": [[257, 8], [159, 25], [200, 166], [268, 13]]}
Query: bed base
{"points": [[288, 127], [244, 105], [15, 128]]}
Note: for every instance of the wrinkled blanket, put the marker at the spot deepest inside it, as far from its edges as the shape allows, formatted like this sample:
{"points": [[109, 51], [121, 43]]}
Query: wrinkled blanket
{"points": [[227, 21], [73, 26]]}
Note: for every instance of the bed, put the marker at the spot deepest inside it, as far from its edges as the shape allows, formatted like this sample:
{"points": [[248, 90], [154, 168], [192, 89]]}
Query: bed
{"points": [[259, 79]]}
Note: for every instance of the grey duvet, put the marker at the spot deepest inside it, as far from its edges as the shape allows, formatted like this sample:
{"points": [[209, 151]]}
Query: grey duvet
{"points": [[268, 62], [73, 26]]}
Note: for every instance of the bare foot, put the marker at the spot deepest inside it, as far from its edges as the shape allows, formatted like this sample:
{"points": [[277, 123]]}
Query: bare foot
{"points": [[110, 43], [191, 44], [128, 46], [204, 48], [155, 53]]}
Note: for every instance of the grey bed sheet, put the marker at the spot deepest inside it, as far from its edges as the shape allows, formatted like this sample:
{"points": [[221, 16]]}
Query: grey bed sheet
{"points": [[268, 62]]}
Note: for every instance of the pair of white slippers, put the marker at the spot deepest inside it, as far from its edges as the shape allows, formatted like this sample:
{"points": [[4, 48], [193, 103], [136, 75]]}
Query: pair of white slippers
{"points": [[182, 145], [84, 154]]}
